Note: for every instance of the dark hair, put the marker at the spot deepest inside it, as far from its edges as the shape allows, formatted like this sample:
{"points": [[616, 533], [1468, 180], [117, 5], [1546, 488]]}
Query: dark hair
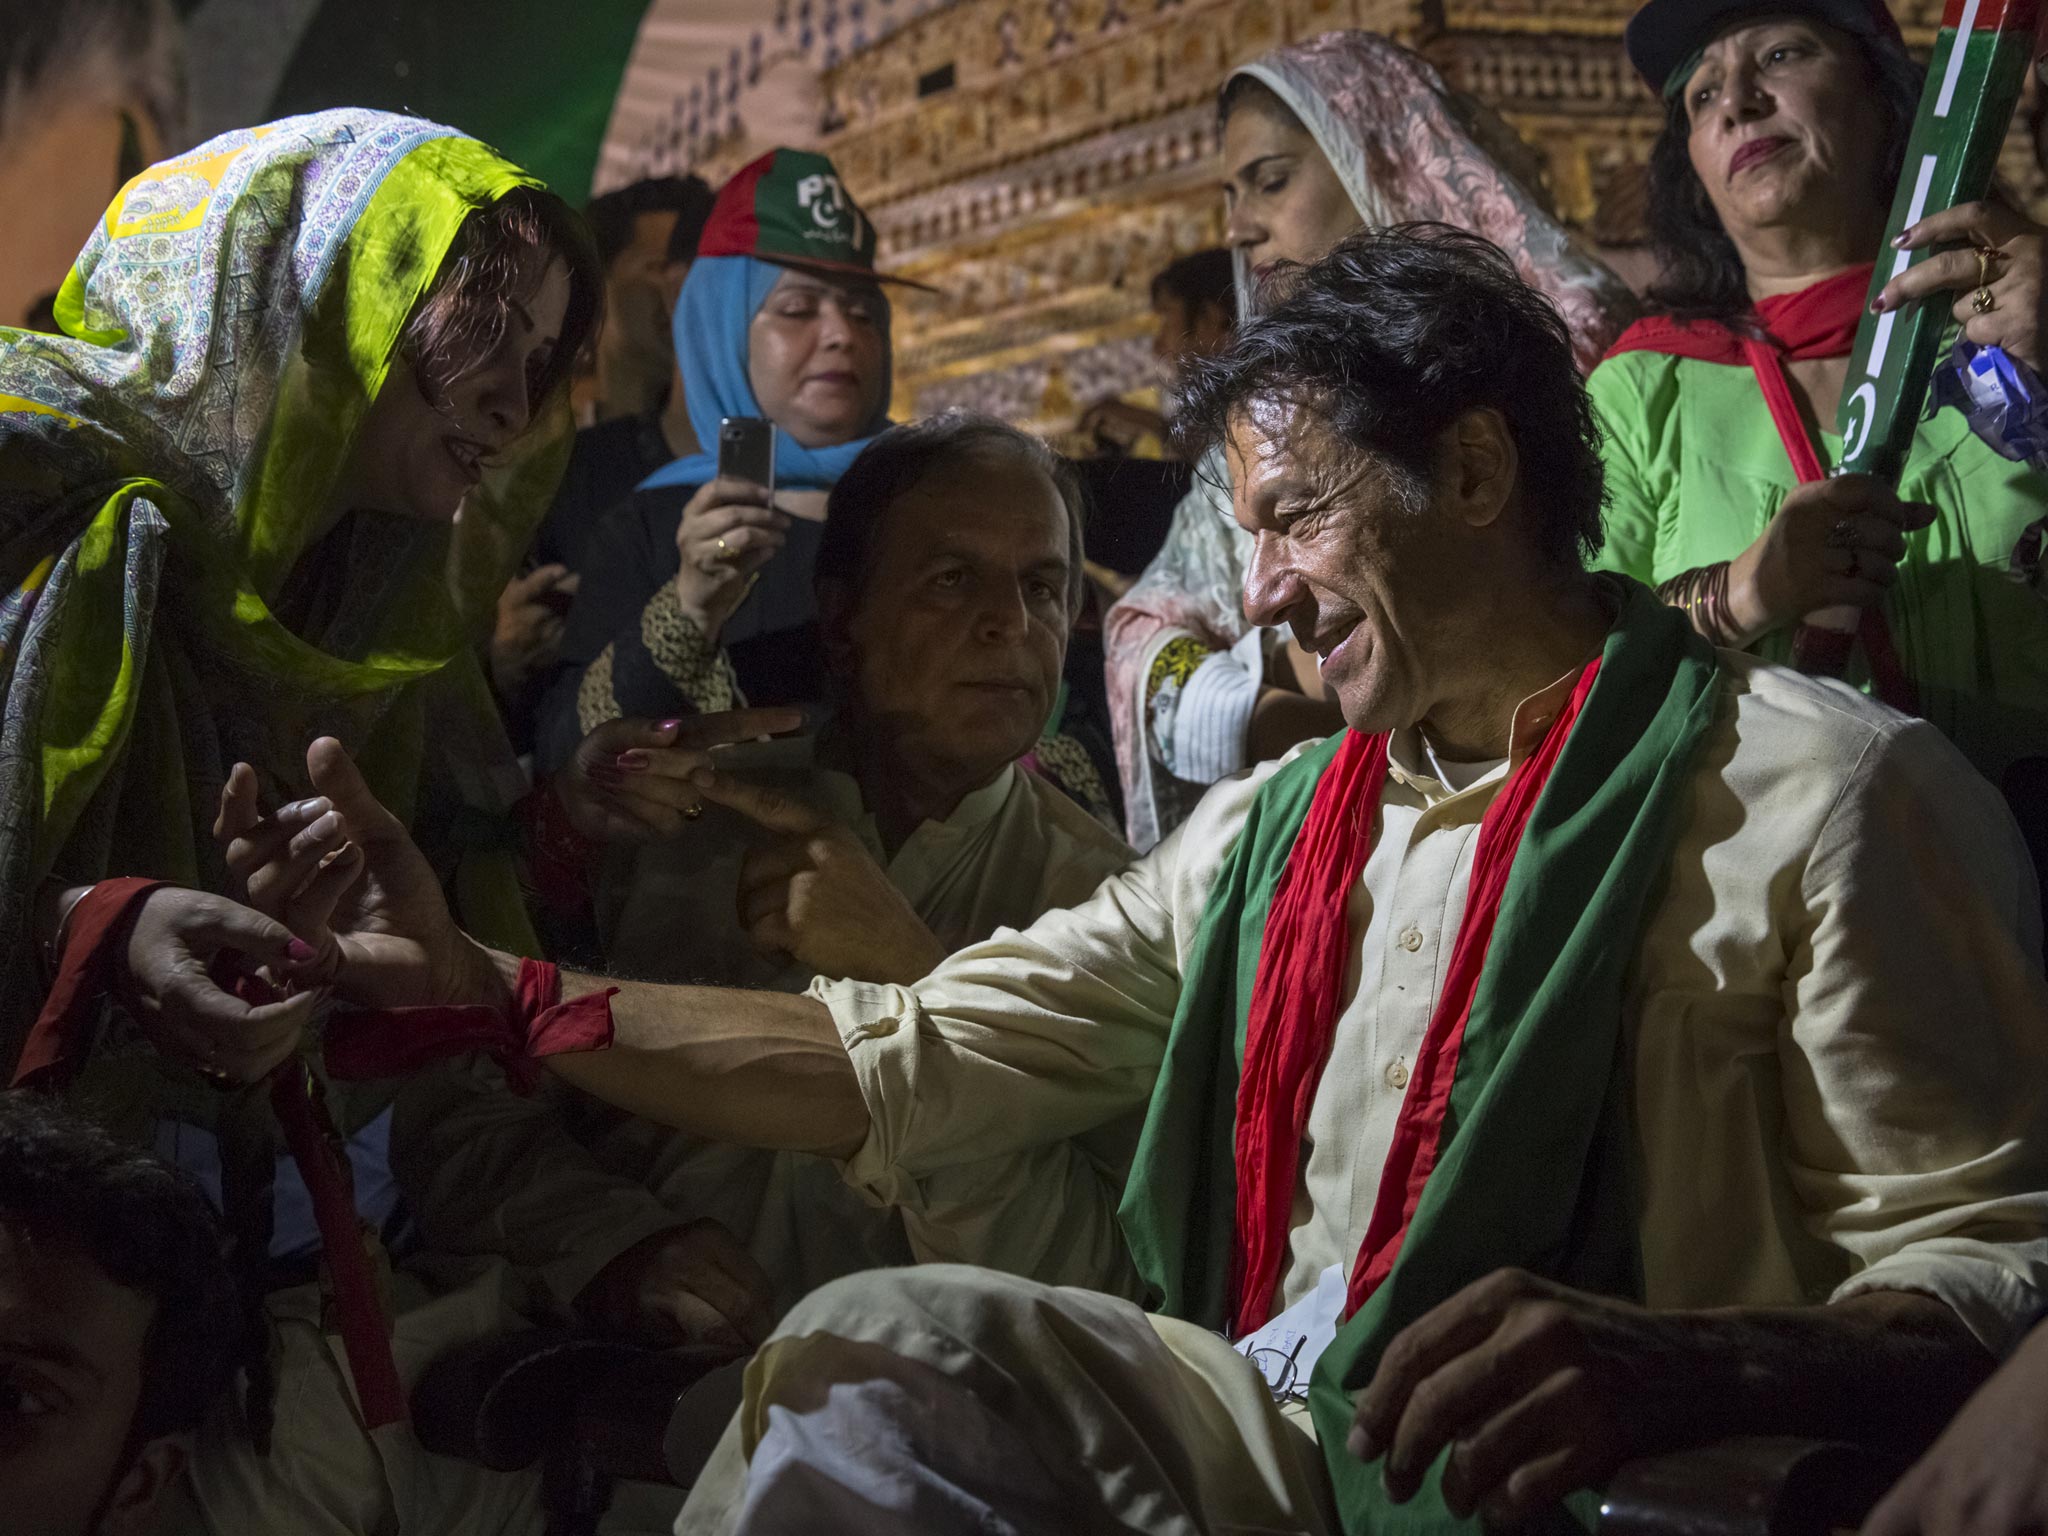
{"points": [[691, 217], [146, 1226], [1700, 272], [611, 215], [1242, 90], [1397, 333], [465, 312], [1205, 278], [898, 461]]}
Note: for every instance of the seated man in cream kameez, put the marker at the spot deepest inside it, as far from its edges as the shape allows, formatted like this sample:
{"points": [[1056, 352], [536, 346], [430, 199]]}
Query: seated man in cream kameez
{"points": [[904, 829], [1607, 1044]]}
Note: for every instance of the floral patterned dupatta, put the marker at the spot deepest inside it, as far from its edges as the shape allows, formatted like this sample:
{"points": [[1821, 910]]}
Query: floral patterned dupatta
{"points": [[165, 462]]}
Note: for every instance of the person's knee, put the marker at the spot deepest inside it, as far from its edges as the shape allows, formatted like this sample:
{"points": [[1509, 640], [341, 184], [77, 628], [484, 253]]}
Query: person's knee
{"points": [[877, 1294]]}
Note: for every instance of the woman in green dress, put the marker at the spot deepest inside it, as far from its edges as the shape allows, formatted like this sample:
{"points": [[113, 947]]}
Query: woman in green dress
{"points": [[1769, 192]]}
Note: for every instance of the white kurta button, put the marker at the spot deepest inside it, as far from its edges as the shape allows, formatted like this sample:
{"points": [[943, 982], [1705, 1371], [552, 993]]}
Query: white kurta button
{"points": [[1397, 1073], [1411, 939]]}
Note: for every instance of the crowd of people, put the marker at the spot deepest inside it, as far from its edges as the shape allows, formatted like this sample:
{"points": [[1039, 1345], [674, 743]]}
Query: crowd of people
{"points": [[1508, 941]]}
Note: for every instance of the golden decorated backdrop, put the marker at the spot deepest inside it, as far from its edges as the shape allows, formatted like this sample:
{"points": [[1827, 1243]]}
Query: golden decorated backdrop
{"points": [[1039, 160]]}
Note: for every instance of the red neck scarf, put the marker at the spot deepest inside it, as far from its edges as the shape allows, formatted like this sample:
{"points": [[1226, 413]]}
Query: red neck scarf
{"points": [[1818, 321], [1298, 991]]}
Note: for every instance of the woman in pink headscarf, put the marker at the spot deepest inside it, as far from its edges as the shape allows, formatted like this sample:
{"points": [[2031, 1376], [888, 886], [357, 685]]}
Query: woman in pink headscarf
{"points": [[1320, 139]]}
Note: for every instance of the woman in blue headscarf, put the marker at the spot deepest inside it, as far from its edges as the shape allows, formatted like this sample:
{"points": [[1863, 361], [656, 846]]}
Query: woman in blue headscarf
{"points": [[696, 593]]}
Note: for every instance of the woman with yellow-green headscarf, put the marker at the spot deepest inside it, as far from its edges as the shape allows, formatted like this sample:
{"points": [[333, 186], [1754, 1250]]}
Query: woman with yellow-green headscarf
{"points": [[310, 400]]}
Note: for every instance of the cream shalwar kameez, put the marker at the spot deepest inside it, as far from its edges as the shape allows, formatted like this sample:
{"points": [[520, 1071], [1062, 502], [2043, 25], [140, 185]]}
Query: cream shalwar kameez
{"points": [[1839, 1043]]}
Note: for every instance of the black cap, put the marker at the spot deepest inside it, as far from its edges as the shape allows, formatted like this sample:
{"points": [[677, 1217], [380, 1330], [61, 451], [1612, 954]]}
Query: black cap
{"points": [[1667, 35]]}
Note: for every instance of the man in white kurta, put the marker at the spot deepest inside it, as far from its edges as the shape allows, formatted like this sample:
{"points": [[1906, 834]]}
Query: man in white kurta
{"points": [[1839, 1053]]}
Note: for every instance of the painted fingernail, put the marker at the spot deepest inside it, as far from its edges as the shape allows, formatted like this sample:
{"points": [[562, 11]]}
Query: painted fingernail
{"points": [[1899, 241], [634, 761], [670, 725], [299, 952], [1877, 305]]}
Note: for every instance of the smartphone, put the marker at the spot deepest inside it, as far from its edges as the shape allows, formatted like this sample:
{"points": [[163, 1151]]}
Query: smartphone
{"points": [[746, 450]]}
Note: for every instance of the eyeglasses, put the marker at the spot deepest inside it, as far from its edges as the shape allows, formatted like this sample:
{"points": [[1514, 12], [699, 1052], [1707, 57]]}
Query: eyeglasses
{"points": [[1280, 1370]]}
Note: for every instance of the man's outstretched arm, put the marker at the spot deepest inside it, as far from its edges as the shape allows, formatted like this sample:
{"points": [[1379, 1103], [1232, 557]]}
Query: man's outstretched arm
{"points": [[758, 1069]]}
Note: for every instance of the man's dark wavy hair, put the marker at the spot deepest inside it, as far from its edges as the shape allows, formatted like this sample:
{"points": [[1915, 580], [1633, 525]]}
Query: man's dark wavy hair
{"points": [[1393, 336], [1699, 272], [149, 1229]]}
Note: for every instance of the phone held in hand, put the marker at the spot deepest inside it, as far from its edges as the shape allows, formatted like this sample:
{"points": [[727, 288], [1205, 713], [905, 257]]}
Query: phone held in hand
{"points": [[746, 450]]}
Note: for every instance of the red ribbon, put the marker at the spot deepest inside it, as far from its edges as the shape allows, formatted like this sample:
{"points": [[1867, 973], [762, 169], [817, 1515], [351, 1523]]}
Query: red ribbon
{"points": [[1295, 998], [97, 925], [371, 1044], [396, 1042]]}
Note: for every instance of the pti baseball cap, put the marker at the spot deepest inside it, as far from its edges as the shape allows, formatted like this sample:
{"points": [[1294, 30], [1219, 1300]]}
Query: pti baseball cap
{"points": [[1665, 37], [790, 206]]}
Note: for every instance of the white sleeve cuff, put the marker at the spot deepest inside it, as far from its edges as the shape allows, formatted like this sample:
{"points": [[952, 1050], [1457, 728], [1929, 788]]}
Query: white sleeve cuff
{"points": [[1996, 1291], [1209, 731]]}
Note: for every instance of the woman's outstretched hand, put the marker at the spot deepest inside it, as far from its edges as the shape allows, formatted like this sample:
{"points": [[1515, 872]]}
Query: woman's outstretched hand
{"points": [[167, 979], [341, 872], [629, 780]]}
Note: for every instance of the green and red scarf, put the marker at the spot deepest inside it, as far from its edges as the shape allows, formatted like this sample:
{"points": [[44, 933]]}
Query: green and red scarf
{"points": [[1511, 1147]]}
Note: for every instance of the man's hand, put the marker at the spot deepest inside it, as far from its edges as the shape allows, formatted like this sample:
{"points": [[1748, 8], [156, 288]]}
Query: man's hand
{"points": [[690, 1285], [1988, 1473], [630, 780], [528, 633], [1539, 1391], [817, 895], [341, 872]]}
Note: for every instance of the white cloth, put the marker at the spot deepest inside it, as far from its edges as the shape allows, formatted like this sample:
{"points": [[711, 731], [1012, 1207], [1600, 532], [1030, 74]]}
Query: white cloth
{"points": [[1063, 1400]]}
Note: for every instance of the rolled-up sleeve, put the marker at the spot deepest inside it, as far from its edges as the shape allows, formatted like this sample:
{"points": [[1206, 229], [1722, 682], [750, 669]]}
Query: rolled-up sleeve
{"points": [[1915, 1050], [1027, 1038]]}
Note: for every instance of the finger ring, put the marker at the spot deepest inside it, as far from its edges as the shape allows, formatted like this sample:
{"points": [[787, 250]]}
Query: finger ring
{"points": [[724, 549], [1982, 303], [692, 812], [1842, 535]]}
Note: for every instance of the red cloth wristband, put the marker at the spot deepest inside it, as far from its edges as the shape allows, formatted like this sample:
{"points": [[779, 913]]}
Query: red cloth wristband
{"points": [[394, 1042], [97, 926]]}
